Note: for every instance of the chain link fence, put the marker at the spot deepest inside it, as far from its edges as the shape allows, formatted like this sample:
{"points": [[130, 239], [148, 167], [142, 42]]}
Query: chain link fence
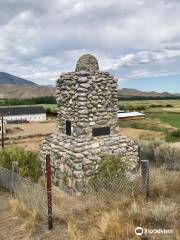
{"points": [[33, 195], [97, 193]]}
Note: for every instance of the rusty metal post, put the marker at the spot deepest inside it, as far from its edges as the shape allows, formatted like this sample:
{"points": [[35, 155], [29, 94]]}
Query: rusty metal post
{"points": [[2, 130], [145, 176], [49, 191]]}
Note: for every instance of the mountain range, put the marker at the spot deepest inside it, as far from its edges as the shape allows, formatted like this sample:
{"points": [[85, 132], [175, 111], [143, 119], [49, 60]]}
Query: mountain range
{"points": [[6, 78], [16, 87], [135, 92]]}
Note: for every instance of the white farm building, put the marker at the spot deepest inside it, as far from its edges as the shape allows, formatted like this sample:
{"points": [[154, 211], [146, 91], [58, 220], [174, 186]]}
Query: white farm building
{"points": [[25, 113], [130, 115]]}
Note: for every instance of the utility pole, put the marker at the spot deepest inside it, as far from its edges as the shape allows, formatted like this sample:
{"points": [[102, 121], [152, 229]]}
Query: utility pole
{"points": [[2, 130]]}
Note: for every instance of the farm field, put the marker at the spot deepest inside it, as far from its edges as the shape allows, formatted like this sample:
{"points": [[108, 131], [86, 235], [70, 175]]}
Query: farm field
{"points": [[159, 121], [167, 117], [30, 135], [50, 107], [175, 104], [161, 116], [166, 111], [32, 129]]}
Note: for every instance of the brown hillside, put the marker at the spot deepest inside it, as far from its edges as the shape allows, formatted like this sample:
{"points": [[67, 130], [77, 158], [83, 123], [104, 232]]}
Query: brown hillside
{"points": [[25, 91], [32, 91], [135, 92]]}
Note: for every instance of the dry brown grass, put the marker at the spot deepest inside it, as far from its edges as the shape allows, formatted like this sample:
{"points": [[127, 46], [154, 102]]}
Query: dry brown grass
{"points": [[110, 222], [155, 212], [118, 218], [164, 182], [30, 216], [90, 218]]}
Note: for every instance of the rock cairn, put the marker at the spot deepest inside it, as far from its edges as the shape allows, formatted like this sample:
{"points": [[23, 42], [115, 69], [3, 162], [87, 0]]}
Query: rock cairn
{"points": [[87, 102], [87, 62]]}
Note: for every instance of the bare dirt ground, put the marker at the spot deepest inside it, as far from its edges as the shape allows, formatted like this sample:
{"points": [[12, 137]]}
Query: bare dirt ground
{"points": [[136, 133], [27, 143], [31, 135], [32, 129]]}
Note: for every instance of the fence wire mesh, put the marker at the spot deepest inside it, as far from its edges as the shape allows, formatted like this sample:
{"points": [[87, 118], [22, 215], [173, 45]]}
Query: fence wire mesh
{"points": [[95, 194], [33, 195]]}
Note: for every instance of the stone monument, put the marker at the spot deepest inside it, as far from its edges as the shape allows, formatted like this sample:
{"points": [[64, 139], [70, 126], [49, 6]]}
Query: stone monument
{"points": [[87, 126]]}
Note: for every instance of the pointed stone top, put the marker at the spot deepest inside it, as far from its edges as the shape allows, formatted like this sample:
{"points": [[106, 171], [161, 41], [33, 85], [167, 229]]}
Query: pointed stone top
{"points": [[87, 62]]}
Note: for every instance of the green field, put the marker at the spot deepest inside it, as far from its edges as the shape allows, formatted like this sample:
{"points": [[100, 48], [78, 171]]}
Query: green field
{"points": [[169, 115], [151, 105], [167, 111], [166, 117], [175, 103], [50, 107], [161, 115]]}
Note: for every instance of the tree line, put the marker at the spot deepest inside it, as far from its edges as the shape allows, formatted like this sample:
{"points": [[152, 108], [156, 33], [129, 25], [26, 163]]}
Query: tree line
{"points": [[28, 101], [52, 100], [134, 98]]}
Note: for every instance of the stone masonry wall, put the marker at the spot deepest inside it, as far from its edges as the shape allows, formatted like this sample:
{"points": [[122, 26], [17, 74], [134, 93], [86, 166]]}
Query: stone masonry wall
{"points": [[88, 99]]}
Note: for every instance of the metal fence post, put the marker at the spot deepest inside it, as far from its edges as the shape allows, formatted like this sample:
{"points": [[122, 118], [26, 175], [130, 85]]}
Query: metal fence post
{"points": [[2, 131], [145, 176], [15, 166], [14, 171], [139, 155], [49, 191]]}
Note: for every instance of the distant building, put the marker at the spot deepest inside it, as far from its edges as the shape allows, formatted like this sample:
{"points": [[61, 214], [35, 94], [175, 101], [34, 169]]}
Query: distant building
{"points": [[25, 113], [120, 111], [130, 115]]}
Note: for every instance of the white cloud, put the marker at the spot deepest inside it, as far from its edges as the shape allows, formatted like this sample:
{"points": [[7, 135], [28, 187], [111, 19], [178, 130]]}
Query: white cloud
{"points": [[143, 73], [142, 57], [40, 39]]}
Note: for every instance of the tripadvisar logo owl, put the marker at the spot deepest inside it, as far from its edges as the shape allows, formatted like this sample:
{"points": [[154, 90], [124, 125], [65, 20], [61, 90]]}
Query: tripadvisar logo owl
{"points": [[139, 231]]}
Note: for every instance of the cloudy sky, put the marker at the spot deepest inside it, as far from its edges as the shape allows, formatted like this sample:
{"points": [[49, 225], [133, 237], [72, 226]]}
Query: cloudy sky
{"points": [[137, 40]]}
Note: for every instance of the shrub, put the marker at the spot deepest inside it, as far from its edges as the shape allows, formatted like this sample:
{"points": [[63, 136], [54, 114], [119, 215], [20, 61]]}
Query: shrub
{"points": [[133, 108], [164, 182], [159, 152], [173, 136], [160, 105], [166, 154], [139, 108], [28, 161], [111, 172], [147, 148], [112, 166], [169, 105], [48, 110], [156, 105]]}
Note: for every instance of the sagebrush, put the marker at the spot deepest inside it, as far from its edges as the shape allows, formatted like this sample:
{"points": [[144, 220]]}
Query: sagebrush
{"points": [[28, 162]]}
